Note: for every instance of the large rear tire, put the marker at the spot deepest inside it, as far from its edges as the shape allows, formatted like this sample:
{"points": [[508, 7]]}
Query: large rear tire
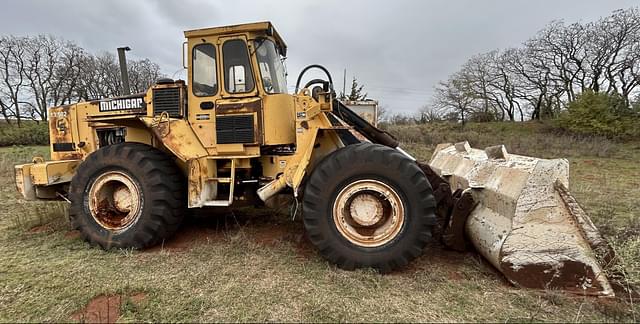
{"points": [[127, 195], [367, 205]]}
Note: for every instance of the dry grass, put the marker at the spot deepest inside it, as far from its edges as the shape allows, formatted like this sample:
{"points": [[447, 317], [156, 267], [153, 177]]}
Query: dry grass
{"points": [[532, 138], [248, 265]]}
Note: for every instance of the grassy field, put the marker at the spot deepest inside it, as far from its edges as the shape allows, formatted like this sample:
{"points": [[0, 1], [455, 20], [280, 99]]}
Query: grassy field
{"points": [[249, 265]]}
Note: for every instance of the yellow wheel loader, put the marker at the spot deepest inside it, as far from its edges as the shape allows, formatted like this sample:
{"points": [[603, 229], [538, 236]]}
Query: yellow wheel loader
{"points": [[231, 135]]}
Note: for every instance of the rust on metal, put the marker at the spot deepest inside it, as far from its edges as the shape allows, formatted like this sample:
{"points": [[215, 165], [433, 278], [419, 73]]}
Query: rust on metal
{"points": [[368, 213], [109, 216], [61, 129], [604, 252], [115, 200], [453, 236], [525, 222], [177, 136], [244, 108], [443, 197], [452, 210]]}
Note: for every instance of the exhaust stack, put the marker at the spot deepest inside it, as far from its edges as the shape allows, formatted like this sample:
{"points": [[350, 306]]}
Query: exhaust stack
{"points": [[124, 72]]}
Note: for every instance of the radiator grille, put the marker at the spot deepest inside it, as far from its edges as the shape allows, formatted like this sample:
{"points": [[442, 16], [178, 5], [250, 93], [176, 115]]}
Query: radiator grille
{"points": [[234, 129], [168, 100]]}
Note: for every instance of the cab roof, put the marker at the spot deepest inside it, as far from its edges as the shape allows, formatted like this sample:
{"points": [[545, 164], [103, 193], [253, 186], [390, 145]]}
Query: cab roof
{"points": [[264, 26]]}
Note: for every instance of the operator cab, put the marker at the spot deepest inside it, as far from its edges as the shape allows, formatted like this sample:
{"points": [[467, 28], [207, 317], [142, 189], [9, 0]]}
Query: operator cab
{"points": [[248, 53], [237, 95]]}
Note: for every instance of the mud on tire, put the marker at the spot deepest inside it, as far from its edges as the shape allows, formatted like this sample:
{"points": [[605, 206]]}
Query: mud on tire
{"points": [[360, 173], [118, 170]]}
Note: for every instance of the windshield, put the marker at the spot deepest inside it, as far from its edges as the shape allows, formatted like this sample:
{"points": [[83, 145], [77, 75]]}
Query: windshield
{"points": [[274, 78]]}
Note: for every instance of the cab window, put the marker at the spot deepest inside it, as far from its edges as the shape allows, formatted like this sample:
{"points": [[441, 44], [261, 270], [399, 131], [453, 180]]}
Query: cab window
{"points": [[272, 71], [204, 81], [237, 69]]}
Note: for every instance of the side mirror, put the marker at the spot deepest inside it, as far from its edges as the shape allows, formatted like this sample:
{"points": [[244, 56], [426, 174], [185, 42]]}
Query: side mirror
{"points": [[184, 54]]}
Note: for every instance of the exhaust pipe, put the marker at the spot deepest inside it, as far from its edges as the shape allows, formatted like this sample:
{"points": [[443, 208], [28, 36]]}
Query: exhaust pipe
{"points": [[124, 72]]}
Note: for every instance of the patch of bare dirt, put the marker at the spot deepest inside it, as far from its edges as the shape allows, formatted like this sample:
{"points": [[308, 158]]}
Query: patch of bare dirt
{"points": [[434, 255], [138, 298], [305, 248], [454, 275], [261, 225], [269, 235], [187, 237], [270, 232], [101, 309], [72, 234], [41, 228]]}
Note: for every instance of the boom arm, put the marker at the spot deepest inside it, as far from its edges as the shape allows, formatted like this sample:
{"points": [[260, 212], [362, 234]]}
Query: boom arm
{"points": [[372, 133]]}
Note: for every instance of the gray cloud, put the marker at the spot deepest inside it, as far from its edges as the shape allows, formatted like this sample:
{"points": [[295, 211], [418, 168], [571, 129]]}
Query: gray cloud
{"points": [[398, 49]]}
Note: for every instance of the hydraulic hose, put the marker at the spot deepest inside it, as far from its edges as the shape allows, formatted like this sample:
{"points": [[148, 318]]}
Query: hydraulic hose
{"points": [[314, 66]]}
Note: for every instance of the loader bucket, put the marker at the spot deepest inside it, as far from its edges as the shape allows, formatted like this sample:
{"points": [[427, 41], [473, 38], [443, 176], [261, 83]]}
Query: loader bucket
{"points": [[525, 221]]}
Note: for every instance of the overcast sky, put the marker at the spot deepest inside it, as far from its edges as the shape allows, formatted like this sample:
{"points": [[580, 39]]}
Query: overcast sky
{"points": [[398, 49]]}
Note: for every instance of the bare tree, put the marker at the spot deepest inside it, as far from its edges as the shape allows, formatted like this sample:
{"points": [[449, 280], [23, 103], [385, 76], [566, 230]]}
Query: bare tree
{"points": [[454, 95], [477, 76], [429, 115], [559, 49], [554, 66], [101, 76], [12, 65], [39, 72], [622, 32], [382, 113], [142, 74], [52, 73], [505, 86]]}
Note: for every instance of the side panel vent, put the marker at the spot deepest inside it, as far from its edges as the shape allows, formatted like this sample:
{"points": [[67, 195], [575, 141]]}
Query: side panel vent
{"points": [[234, 129], [167, 99]]}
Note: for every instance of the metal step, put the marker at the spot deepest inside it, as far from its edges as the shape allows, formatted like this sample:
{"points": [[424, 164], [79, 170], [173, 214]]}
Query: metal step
{"points": [[217, 203], [230, 181]]}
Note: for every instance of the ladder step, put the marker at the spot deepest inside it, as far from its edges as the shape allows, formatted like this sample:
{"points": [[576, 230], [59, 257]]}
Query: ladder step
{"points": [[216, 203], [220, 180]]}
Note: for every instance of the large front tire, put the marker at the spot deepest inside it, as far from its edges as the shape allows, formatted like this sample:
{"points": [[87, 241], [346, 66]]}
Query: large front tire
{"points": [[367, 205], [127, 195]]}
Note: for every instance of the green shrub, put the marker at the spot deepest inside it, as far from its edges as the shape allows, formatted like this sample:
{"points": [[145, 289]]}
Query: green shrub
{"points": [[601, 114], [29, 133]]}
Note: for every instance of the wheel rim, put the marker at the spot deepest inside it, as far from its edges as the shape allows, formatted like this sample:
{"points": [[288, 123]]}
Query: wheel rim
{"points": [[115, 200], [368, 213]]}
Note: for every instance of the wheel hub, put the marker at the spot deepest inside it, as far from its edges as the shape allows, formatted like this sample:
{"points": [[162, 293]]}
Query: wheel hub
{"points": [[366, 209], [115, 200], [122, 199], [368, 213]]}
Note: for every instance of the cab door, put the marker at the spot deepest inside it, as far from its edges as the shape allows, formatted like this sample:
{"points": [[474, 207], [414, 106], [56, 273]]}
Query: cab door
{"points": [[238, 109], [204, 89]]}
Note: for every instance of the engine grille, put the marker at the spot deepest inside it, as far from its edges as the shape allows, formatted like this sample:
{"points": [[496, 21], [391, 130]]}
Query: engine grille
{"points": [[168, 100], [234, 129]]}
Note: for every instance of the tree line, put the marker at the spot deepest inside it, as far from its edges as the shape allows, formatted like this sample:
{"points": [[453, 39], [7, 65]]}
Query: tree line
{"points": [[38, 72], [539, 79]]}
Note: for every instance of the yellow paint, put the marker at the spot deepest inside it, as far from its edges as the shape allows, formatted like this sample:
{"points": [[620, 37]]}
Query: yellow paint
{"points": [[279, 119], [53, 172], [177, 136], [297, 122]]}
